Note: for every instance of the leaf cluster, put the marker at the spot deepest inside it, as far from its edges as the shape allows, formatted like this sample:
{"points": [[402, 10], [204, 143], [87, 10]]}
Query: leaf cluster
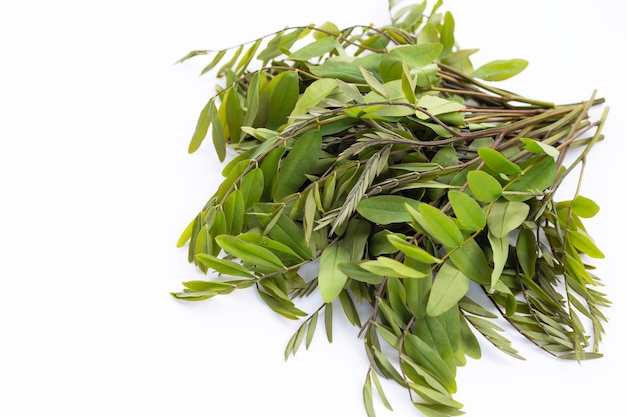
{"points": [[383, 156]]}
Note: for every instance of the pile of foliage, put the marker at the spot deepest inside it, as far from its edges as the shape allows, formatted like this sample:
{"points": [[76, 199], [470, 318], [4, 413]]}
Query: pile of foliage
{"points": [[384, 158]]}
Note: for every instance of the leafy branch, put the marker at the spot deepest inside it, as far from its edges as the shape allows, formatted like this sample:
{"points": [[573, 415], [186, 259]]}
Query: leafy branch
{"points": [[402, 175]]}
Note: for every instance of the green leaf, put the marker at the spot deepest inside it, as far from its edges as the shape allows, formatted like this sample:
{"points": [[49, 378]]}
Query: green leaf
{"points": [[314, 93], [283, 307], [328, 321], [500, 70], [498, 162], [526, 250], [233, 115], [387, 267], [243, 63], [349, 71], [249, 252], [310, 330], [584, 243], [506, 216], [284, 93], [436, 106], [300, 161], [439, 226], [437, 410], [411, 250], [325, 27], [202, 126], [224, 266], [251, 186], [373, 82], [471, 260], [354, 271], [539, 173], [286, 254], [415, 56], [467, 211], [500, 251], [584, 207], [386, 209], [483, 186], [331, 279], [315, 49], [218, 134], [428, 358], [368, 400], [450, 286], [536, 146], [234, 212]]}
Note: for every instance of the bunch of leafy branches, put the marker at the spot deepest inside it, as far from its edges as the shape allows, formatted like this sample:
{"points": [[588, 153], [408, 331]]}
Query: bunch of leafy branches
{"points": [[382, 155]]}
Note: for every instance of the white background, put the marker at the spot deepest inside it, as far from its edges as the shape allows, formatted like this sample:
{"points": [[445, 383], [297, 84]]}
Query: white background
{"points": [[96, 185]]}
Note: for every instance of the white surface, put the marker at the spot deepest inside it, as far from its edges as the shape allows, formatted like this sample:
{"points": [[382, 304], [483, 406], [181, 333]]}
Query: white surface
{"points": [[96, 186]]}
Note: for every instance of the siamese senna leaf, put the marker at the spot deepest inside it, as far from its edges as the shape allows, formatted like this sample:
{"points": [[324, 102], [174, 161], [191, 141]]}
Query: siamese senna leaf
{"points": [[218, 134], [450, 286], [469, 213], [539, 173], [380, 391], [301, 159], [311, 327], [387, 267], [284, 93], [216, 60], [331, 279], [505, 216], [283, 307], [439, 226], [249, 252], [583, 242], [202, 126], [386, 209], [411, 250], [500, 252], [251, 187], [314, 93], [584, 207], [328, 321], [526, 251], [315, 49], [354, 271], [498, 162], [349, 309], [500, 70], [537, 146], [483, 186], [247, 57], [368, 400], [224, 266]]}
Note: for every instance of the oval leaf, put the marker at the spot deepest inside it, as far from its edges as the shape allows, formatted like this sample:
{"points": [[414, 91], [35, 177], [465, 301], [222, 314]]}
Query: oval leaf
{"points": [[467, 211], [249, 252], [299, 161], [450, 286], [331, 278], [224, 266], [411, 250], [483, 186], [386, 209], [440, 226], [500, 69], [498, 162], [387, 267], [506, 216]]}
